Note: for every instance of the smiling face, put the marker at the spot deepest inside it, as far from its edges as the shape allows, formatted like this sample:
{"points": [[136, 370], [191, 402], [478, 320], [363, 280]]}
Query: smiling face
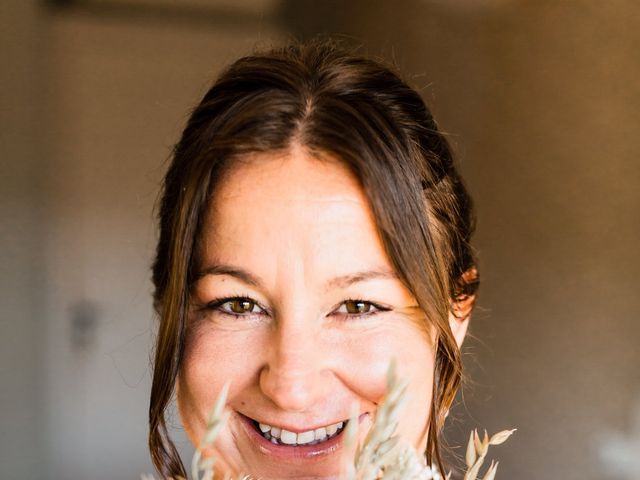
{"points": [[298, 306]]}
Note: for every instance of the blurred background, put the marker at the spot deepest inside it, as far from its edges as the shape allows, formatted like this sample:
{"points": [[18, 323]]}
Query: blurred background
{"points": [[541, 100]]}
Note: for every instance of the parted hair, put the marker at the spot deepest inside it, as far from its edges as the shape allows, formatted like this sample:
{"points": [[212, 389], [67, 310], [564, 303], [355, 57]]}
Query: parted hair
{"points": [[334, 102]]}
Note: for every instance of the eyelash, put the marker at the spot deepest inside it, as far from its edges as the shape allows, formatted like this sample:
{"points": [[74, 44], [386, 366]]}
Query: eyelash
{"points": [[216, 305], [378, 308]]}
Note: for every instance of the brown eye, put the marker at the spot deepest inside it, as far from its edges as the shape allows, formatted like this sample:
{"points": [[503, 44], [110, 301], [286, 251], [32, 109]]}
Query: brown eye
{"points": [[359, 309], [236, 306], [357, 306], [241, 305]]}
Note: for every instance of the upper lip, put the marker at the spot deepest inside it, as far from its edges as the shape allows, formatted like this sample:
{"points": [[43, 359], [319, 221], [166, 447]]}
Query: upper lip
{"points": [[295, 429]]}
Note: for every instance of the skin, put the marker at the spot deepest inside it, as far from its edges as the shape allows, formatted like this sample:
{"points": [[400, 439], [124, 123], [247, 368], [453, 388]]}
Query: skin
{"points": [[298, 356]]}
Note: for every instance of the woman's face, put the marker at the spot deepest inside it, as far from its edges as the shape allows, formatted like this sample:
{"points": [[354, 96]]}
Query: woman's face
{"points": [[299, 308]]}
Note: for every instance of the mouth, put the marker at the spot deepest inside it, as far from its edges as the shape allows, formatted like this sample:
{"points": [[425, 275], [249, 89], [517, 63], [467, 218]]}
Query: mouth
{"points": [[281, 436], [282, 444]]}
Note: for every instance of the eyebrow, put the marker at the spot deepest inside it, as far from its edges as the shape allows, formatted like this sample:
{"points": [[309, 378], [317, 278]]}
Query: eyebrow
{"points": [[342, 281]]}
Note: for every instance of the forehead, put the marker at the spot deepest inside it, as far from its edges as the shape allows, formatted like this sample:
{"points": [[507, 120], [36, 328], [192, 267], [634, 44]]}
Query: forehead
{"points": [[295, 181], [292, 210]]}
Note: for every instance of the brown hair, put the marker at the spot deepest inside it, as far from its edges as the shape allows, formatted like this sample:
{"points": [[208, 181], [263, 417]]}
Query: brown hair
{"points": [[331, 102]]}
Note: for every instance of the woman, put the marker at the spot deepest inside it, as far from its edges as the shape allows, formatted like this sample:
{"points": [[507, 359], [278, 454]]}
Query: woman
{"points": [[312, 228]]}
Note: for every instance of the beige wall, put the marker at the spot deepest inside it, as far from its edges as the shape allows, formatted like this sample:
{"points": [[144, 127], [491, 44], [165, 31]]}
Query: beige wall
{"points": [[21, 241]]}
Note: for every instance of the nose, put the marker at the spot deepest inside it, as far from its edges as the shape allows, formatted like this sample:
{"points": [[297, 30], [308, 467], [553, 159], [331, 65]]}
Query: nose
{"points": [[295, 375]]}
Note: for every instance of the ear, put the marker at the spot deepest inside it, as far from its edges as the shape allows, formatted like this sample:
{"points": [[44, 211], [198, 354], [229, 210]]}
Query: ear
{"points": [[462, 305], [458, 326], [459, 316]]}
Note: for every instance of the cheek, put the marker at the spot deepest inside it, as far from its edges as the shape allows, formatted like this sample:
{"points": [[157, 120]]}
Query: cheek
{"points": [[194, 389], [211, 358], [416, 363], [368, 359]]}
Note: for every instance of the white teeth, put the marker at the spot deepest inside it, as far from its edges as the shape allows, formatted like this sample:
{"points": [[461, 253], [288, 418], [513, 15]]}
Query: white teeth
{"points": [[306, 437], [281, 436], [288, 437], [264, 428]]}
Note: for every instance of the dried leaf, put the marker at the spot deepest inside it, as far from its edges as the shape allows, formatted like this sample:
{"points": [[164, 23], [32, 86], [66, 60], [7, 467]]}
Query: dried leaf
{"points": [[501, 437], [484, 445], [476, 441], [386, 446], [470, 457], [220, 403], [491, 473], [195, 462], [214, 429], [472, 474], [207, 463]]}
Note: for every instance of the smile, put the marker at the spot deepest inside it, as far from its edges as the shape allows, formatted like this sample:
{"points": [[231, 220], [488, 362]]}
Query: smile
{"points": [[282, 444], [281, 436]]}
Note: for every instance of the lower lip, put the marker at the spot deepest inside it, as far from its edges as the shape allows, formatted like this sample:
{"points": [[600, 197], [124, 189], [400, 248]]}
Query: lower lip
{"points": [[298, 452]]}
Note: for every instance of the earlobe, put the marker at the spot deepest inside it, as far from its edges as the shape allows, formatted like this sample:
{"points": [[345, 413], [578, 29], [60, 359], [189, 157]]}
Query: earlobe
{"points": [[459, 316], [462, 304], [458, 327]]}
